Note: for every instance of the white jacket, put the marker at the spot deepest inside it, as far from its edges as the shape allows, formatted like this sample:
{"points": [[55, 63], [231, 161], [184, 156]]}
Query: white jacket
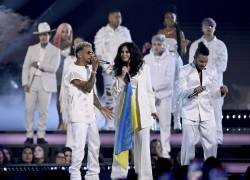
{"points": [[49, 64], [162, 70], [107, 41], [200, 105], [218, 56], [145, 96]]}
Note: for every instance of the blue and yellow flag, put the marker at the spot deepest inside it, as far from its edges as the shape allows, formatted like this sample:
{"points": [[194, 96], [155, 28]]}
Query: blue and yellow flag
{"points": [[128, 123]]}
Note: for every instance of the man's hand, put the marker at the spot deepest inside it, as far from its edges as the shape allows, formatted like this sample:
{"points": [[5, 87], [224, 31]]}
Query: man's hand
{"points": [[35, 64], [224, 90], [155, 115], [107, 113], [199, 89], [94, 63], [26, 88]]}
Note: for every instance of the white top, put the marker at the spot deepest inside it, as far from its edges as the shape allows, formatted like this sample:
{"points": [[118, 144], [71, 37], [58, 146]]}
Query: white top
{"points": [[107, 40], [162, 70], [198, 107], [217, 58], [81, 105], [41, 58], [142, 86]]}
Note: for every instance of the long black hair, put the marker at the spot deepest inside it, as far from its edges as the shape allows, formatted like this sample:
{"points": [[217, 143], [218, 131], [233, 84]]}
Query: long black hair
{"points": [[172, 9], [136, 59]]}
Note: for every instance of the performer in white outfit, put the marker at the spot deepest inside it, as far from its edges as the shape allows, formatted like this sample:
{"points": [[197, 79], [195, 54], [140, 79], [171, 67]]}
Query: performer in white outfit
{"points": [[63, 40], [39, 81], [80, 80], [107, 41], [64, 98], [128, 62], [197, 88], [176, 44], [162, 68], [217, 60]]}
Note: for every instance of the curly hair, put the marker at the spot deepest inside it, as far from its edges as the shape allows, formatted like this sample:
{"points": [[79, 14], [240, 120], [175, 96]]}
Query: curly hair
{"points": [[136, 59]]}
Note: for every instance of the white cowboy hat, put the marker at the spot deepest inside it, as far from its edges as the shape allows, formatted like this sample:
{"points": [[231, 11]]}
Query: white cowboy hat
{"points": [[43, 28]]}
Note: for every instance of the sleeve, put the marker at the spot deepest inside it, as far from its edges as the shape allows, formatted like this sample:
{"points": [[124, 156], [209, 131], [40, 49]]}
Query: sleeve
{"points": [[26, 67], [55, 61], [118, 87], [182, 88], [99, 43], [128, 35], [150, 92], [222, 58], [214, 87], [192, 50]]}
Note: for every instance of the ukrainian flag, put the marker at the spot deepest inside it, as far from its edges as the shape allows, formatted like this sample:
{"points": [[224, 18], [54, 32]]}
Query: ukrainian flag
{"points": [[128, 123]]}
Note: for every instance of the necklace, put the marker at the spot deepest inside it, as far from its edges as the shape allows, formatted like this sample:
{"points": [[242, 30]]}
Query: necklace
{"points": [[169, 32]]}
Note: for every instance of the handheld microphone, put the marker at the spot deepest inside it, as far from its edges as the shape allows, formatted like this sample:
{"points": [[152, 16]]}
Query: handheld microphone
{"points": [[103, 61], [196, 93]]}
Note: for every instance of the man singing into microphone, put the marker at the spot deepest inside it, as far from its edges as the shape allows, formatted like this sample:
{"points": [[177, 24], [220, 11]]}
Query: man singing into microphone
{"points": [[80, 81], [197, 89]]}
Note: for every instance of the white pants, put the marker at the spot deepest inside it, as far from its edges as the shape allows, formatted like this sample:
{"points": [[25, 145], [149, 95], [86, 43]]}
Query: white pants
{"points": [[83, 132], [191, 133], [69, 136], [36, 93], [109, 99], [164, 110], [217, 104], [142, 158]]}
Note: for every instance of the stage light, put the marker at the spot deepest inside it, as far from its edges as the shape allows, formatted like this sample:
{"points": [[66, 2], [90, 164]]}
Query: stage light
{"points": [[245, 116], [85, 168], [227, 116], [233, 116], [239, 116], [227, 129]]}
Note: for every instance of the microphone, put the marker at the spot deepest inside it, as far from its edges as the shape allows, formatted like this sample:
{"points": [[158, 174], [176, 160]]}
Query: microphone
{"points": [[196, 93], [103, 61]]}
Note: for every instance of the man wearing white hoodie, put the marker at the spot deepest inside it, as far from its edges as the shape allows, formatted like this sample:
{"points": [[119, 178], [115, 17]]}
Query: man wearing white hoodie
{"points": [[162, 68]]}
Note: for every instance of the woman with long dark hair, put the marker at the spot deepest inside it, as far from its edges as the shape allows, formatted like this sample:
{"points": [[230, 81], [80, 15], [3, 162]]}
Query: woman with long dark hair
{"points": [[176, 44], [130, 71]]}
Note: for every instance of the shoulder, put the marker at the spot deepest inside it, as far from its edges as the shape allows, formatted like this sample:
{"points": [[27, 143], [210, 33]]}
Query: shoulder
{"points": [[184, 70], [220, 43]]}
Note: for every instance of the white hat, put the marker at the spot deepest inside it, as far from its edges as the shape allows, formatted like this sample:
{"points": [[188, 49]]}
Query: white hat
{"points": [[43, 28]]}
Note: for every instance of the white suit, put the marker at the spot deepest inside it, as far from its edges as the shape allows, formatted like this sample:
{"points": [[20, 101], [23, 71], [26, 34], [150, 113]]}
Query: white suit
{"points": [[107, 41], [41, 84], [141, 84], [162, 70], [217, 60], [197, 112]]}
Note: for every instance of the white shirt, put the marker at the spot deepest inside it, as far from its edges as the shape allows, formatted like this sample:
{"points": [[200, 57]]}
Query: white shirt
{"points": [[107, 40], [197, 107], [162, 69], [42, 52], [81, 105], [217, 58]]}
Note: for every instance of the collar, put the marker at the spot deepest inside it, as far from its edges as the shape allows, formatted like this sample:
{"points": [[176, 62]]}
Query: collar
{"points": [[111, 29], [204, 40]]}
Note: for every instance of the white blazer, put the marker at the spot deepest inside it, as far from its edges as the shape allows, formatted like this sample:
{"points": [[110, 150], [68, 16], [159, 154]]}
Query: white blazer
{"points": [[49, 64], [145, 96], [200, 105]]}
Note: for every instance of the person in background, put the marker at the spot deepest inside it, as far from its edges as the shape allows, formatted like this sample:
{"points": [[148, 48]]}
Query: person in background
{"points": [[107, 40], [217, 60], [162, 68], [60, 158], [63, 40], [39, 81], [68, 155], [3, 158], [39, 154], [176, 44], [27, 155]]}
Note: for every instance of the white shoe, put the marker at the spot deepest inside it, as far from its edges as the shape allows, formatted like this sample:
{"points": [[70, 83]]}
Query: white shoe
{"points": [[177, 126]]}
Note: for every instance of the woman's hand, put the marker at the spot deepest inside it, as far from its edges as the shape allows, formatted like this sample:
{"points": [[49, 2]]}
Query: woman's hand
{"points": [[106, 113]]}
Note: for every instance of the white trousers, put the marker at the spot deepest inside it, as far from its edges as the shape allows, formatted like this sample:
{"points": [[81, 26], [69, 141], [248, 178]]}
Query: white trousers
{"points": [[217, 104], [83, 132], [36, 94], [191, 133], [164, 110], [69, 136], [142, 159], [109, 99]]}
